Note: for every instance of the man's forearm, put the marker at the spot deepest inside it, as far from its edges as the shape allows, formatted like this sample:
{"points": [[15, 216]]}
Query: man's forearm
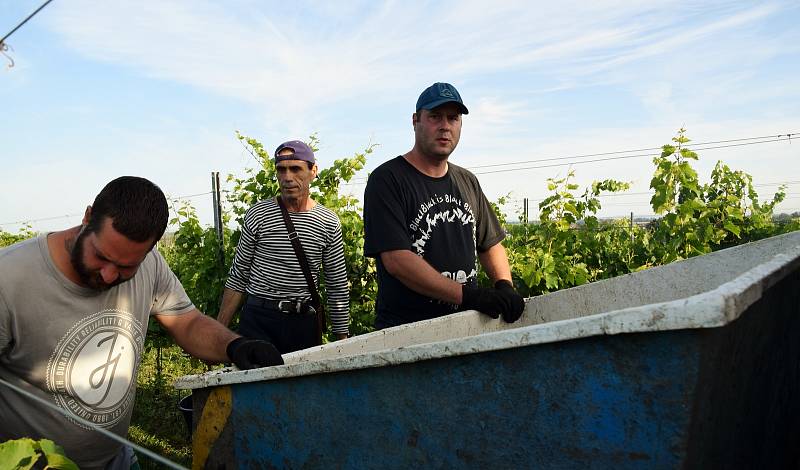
{"points": [[495, 263], [419, 276], [199, 335], [231, 301]]}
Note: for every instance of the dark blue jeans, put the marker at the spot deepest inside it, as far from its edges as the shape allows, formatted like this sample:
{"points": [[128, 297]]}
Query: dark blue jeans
{"points": [[287, 331]]}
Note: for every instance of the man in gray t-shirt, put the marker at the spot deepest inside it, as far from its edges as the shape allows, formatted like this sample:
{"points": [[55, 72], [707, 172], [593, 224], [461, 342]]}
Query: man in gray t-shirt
{"points": [[74, 308]]}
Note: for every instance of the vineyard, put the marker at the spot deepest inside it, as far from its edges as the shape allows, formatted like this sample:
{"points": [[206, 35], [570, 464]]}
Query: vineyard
{"points": [[568, 245]]}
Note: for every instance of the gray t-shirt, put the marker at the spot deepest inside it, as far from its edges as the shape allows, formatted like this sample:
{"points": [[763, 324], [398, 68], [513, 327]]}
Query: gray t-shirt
{"points": [[74, 347]]}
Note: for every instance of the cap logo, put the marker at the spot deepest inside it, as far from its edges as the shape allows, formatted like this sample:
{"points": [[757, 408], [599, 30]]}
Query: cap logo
{"points": [[444, 91]]}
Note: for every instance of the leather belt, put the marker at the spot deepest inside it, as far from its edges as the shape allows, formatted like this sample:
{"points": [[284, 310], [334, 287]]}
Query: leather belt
{"points": [[285, 306]]}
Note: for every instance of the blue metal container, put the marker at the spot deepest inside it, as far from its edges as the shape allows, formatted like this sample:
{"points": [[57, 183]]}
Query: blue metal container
{"points": [[691, 365]]}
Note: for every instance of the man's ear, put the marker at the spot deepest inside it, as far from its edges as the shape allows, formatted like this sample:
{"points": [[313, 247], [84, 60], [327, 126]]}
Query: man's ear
{"points": [[414, 119], [314, 170], [87, 215]]}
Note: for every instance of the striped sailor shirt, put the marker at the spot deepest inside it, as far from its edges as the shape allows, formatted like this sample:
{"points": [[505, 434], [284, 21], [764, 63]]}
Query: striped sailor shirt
{"points": [[266, 266]]}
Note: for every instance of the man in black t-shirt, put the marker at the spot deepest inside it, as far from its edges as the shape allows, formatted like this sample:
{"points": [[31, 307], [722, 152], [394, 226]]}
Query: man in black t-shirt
{"points": [[427, 223]]}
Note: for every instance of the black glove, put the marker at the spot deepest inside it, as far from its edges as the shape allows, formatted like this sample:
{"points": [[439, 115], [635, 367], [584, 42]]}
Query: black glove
{"points": [[486, 301], [249, 353], [515, 302]]}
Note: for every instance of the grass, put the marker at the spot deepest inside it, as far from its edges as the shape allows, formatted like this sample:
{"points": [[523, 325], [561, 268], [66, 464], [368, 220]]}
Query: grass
{"points": [[157, 424]]}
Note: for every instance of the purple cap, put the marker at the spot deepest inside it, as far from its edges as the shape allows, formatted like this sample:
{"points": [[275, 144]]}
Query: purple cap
{"points": [[300, 151]]}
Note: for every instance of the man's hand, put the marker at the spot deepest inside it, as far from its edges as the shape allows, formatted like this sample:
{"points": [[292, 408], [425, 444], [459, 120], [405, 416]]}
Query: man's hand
{"points": [[253, 353], [502, 300], [515, 302], [486, 301]]}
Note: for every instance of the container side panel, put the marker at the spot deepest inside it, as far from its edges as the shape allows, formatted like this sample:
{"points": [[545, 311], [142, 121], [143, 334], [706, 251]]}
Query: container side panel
{"points": [[620, 401]]}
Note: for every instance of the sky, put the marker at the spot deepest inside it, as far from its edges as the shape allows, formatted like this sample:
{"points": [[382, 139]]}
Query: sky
{"points": [[158, 89]]}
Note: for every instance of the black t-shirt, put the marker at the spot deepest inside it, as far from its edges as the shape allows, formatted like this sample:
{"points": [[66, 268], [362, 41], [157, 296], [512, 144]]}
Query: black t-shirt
{"points": [[443, 220]]}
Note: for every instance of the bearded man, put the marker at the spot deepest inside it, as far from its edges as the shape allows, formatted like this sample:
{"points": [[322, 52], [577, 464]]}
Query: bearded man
{"points": [[74, 308]]}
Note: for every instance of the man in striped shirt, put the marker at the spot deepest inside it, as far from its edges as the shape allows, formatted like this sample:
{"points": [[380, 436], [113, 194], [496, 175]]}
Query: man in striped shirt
{"points": [[267, 272]]}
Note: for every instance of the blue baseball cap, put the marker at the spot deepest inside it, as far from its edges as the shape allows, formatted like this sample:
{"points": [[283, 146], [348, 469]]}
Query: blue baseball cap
{"points": [[300, 151], [439, 94]]}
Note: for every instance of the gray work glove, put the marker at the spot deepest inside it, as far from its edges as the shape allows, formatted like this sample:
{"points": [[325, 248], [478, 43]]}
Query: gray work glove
{"points": [[249, 353], [516, 304]]}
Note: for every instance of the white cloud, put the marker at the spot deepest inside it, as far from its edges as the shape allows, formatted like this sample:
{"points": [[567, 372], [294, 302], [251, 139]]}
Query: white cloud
{"points": [[277, 61]]}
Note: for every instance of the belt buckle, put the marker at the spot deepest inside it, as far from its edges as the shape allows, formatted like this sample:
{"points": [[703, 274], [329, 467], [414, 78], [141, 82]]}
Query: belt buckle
{"points": [[294, 306]]}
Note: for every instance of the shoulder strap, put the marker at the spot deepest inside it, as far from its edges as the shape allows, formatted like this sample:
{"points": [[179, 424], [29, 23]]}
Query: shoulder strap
{"points": [[301, 258], [298, 251]]}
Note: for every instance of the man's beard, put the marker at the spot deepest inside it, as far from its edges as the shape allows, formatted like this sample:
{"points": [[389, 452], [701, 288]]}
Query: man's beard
{"points": [[91, 279]]}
